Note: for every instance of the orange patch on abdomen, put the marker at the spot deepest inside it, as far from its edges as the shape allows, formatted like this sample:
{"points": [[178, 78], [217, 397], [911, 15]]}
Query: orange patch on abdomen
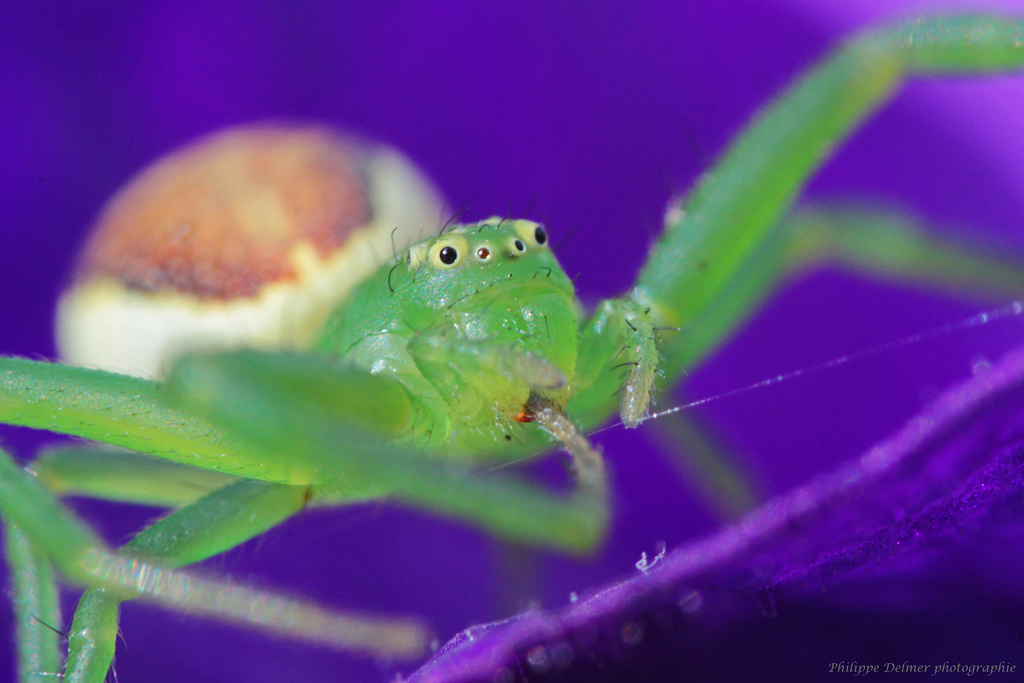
{"points": [[220, 218]]}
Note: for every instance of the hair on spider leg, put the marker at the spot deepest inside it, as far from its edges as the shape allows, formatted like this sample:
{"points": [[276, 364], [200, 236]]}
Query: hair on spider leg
{"points": [[113, 662], [63, 634], [65, 637], [659, 339]]}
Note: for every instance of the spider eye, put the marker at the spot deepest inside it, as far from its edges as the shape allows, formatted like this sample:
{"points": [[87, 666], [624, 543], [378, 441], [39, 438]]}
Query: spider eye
{"points": [[528, 233], [448, 251], [415, 256], [483, 253], [448, 255]]}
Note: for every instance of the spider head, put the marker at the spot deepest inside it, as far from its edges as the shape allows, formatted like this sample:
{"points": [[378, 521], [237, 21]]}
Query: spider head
{"points": [[497, 282]]}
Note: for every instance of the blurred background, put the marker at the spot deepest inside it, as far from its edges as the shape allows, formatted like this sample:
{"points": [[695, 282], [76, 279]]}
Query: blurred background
{"points": [[585, 119]]}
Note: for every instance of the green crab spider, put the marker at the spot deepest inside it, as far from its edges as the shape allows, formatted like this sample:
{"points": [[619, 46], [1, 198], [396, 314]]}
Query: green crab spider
{"points": [[467, 348]]}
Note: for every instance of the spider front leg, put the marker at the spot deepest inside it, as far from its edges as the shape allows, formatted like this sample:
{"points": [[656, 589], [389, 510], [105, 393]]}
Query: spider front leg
{"points": [[723, 247], [727, 245], [286, 404], [618, 363]]}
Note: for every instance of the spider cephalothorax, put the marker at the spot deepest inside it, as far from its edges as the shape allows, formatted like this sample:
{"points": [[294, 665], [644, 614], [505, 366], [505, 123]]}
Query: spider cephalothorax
{"points": [[472, 322]]}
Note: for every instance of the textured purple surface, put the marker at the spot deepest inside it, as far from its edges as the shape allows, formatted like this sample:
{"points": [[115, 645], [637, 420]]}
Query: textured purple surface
{"points": [[588, 121]]}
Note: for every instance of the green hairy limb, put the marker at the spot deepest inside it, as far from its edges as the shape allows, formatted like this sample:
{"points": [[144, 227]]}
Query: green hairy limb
{"points": [[731, 212]]}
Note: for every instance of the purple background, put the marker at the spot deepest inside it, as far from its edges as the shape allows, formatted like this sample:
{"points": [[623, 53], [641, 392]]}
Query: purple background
{"points": [[585, 120]]}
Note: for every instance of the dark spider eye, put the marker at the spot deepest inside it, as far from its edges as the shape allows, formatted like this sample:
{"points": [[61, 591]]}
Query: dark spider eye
{"points": [[483, 253], [448, 255], [540, 235], [519, 245]]}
